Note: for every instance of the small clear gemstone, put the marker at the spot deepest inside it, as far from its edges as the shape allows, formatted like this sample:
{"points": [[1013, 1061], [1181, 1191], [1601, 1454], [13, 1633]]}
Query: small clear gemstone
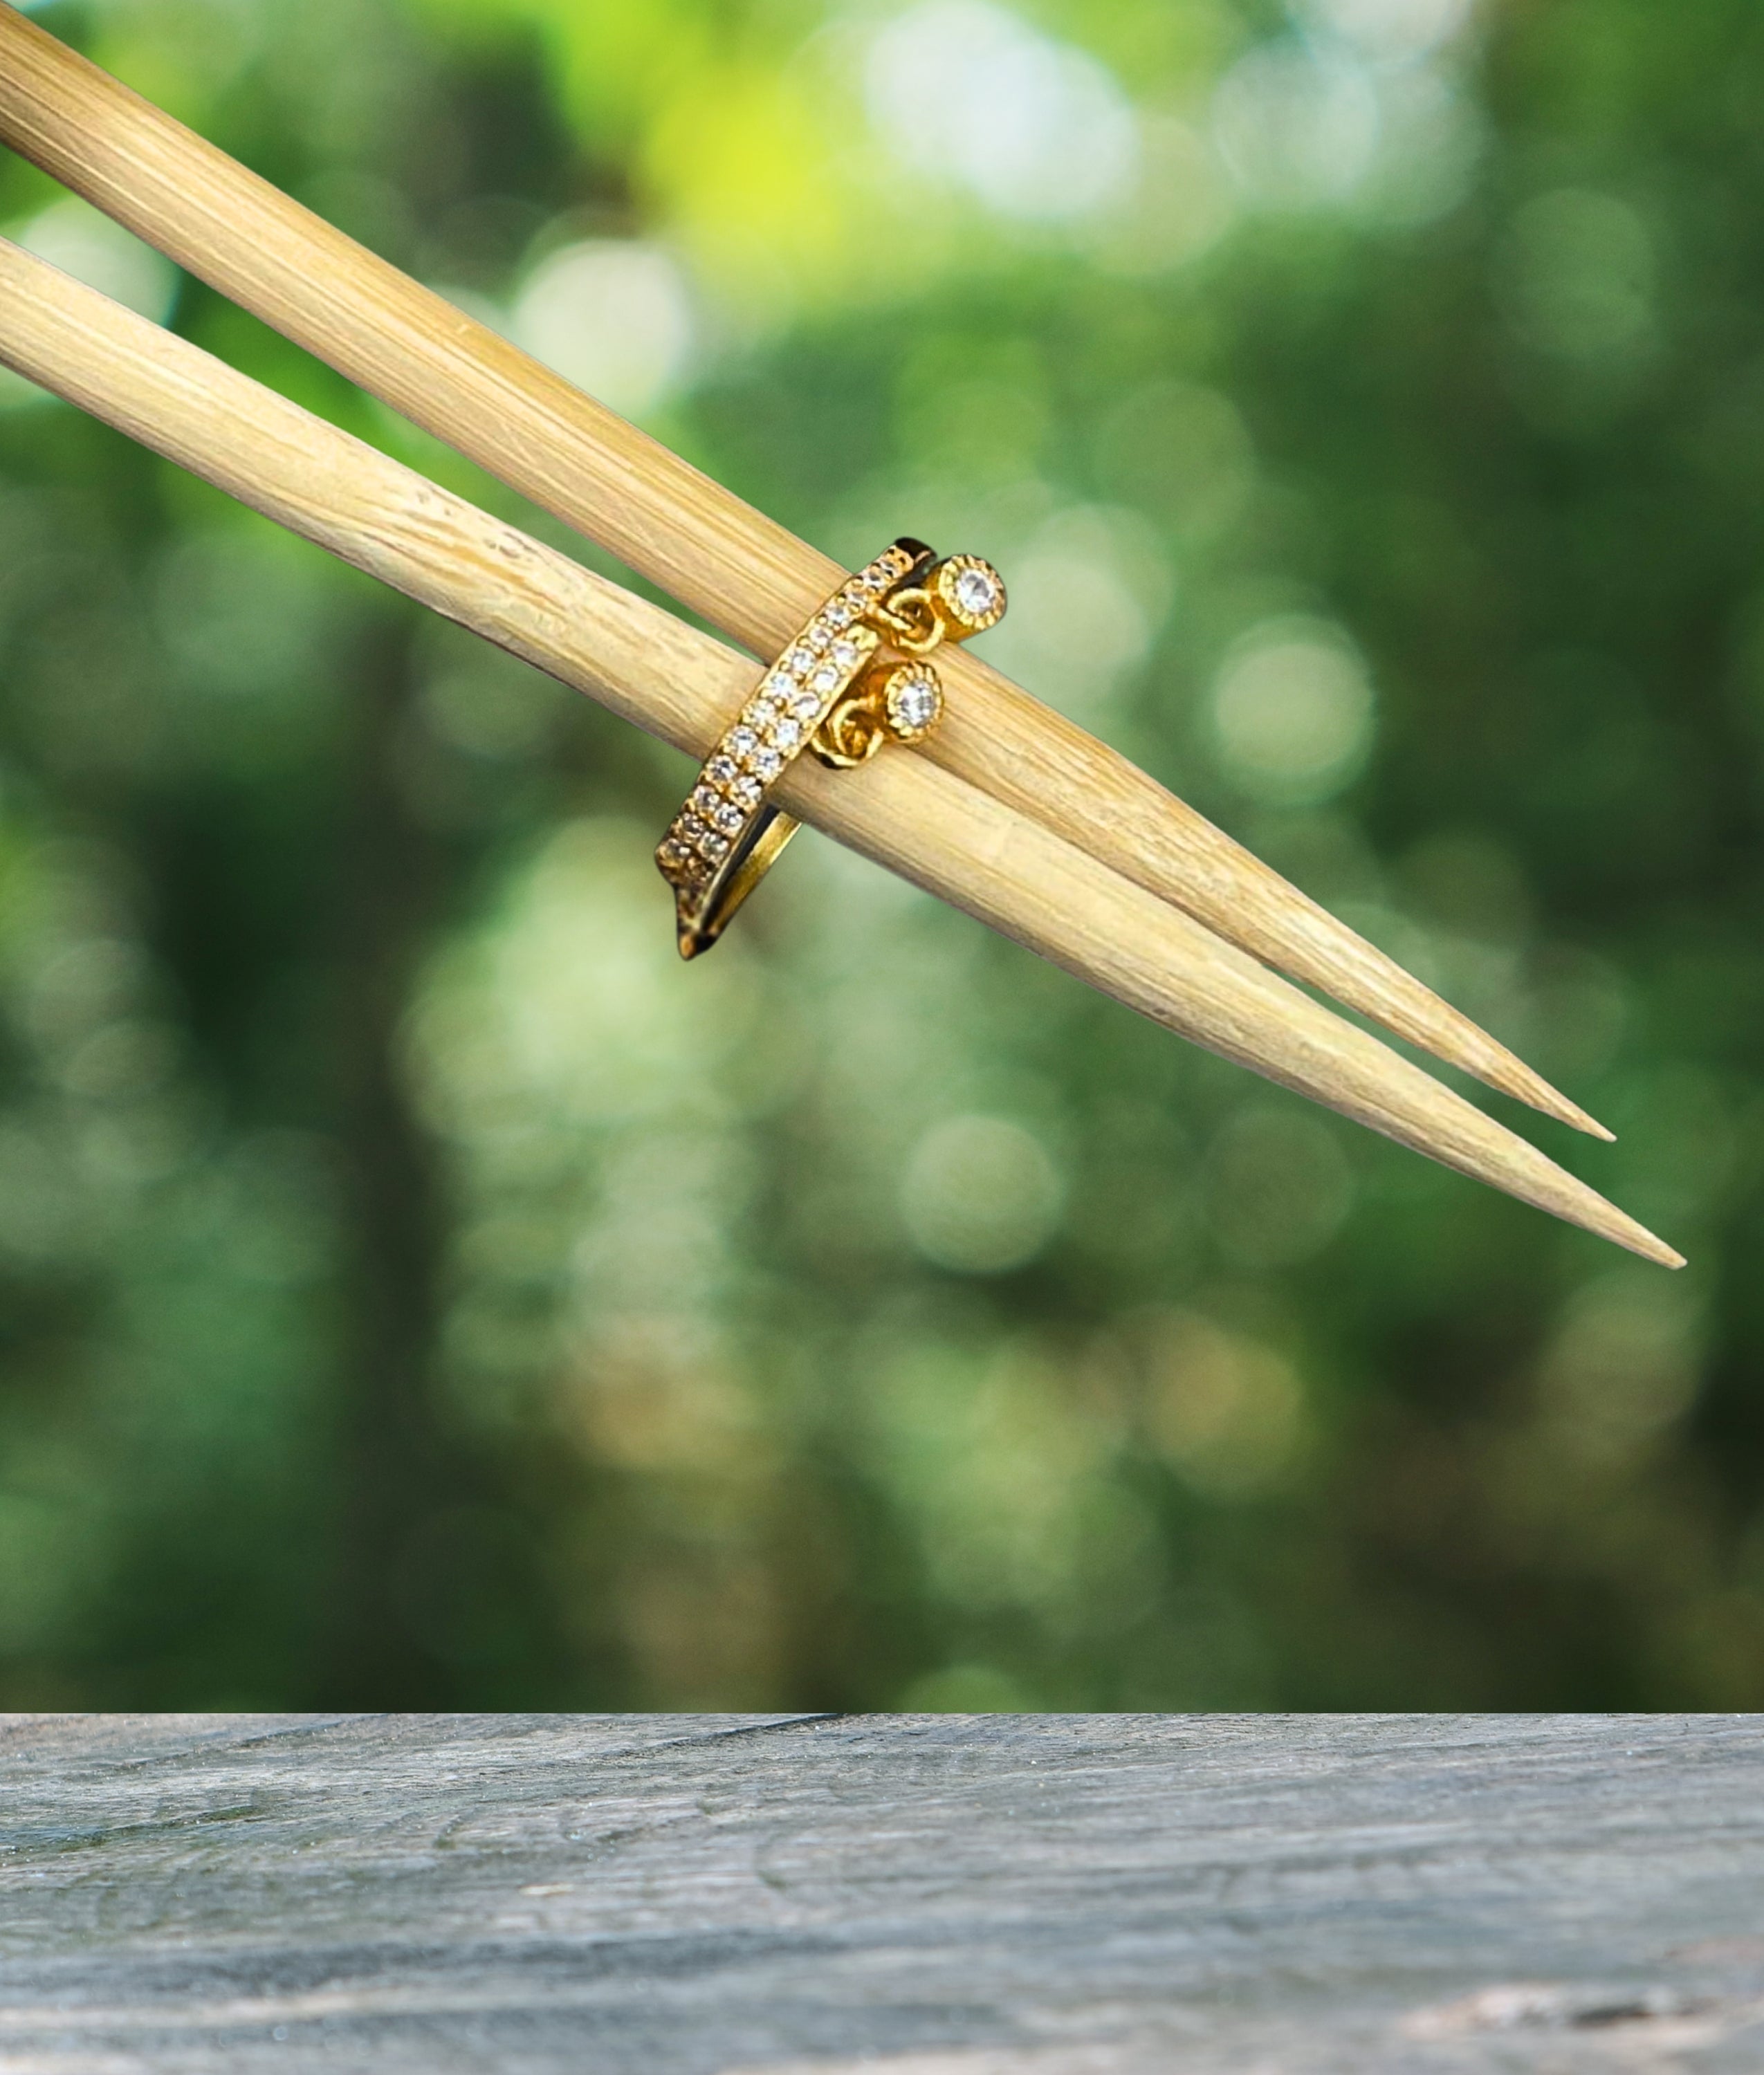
{"points": [[818, 635], [826, 678], [845, 655], [760, 713], [705, 799], [799, 662], [714, 847], [729, 819], [719, 770], [913, 704], [768, 762], [786, 733], [976, 593], [839, 614], [779, 685], [806, 705], [746, 791], [742, 743]]}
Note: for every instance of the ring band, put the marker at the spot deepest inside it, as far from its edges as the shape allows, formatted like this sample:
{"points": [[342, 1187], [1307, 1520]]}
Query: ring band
{"points": [[837, 691]]}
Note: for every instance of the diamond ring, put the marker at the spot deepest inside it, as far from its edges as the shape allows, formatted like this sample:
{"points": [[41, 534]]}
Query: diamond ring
{"points": [[855, 677]]}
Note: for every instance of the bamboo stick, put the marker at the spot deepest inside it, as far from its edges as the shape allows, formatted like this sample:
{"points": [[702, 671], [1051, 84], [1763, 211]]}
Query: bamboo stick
{"points": [[975, 850], [740, 570]]}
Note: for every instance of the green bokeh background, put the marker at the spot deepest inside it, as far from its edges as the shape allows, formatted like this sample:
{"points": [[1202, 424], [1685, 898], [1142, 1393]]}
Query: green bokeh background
{"points": [[417, 1289]]}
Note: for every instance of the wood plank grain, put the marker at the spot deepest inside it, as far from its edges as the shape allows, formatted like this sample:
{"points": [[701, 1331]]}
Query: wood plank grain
{"points": [[919, 1895]]}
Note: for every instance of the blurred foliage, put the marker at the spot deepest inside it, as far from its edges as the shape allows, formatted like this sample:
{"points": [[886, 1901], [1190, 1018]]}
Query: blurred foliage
{"points": [[419, 1289]]}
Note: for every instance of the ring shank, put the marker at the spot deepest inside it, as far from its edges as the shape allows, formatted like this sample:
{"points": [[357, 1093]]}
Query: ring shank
{"points": [[759, 850]]}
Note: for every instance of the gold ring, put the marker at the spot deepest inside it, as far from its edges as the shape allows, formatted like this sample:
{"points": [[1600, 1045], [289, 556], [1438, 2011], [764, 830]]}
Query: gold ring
{"points": [[854, 676]]}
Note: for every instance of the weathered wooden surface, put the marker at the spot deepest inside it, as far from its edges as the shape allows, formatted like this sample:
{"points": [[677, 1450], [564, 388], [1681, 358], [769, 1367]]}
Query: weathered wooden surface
{"points": [[920, 1895]]}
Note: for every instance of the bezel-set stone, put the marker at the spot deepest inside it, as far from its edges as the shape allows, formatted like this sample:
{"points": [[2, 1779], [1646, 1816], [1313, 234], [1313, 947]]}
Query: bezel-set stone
{"points": [[971, 591], [914, 703]]}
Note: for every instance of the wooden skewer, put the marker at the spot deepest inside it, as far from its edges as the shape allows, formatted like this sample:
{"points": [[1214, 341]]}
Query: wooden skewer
{"points": [[973, 850], [740, 570]]}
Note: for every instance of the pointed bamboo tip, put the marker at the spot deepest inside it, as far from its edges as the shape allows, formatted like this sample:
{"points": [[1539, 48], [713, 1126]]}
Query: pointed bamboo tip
{"points": [[1569, 1112], [1639, 1239], [1516, 1079]]}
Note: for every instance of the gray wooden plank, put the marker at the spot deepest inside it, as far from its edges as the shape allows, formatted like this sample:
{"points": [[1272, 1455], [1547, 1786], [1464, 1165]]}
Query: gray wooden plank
{"points": [[922, 1895]]}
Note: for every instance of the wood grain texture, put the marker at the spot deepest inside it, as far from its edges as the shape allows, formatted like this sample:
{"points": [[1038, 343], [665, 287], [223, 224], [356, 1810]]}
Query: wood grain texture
{"points": [[739, 569], [910, 1895], [922, 820]]}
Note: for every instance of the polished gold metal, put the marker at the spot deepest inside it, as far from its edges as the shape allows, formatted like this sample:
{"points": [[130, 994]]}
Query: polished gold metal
{"points": [[837, 691]]}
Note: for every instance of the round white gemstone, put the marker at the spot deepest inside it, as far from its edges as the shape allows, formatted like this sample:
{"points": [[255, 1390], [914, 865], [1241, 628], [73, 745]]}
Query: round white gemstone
{"points": [[714, 847], [806, 705], [799, 662], [779, 685], [839, 614], [845, 654], [976, 593], [786, 734], [729, 819], [913, 704], [746, 791], [768, 762], [719, 770], [826, 679], [741, 742]]}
